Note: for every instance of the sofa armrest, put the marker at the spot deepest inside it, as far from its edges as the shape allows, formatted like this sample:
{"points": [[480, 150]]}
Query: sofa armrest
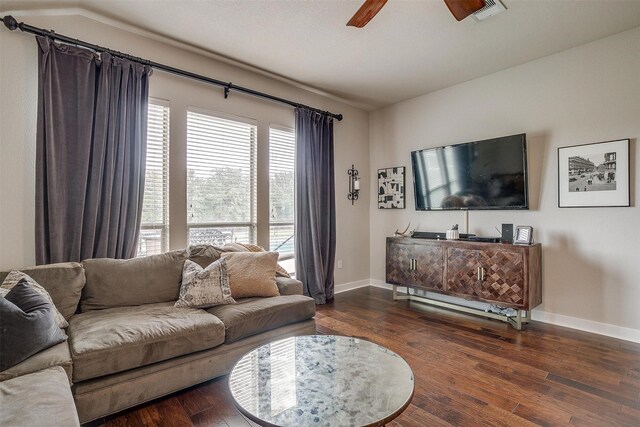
{"points": [[289, 286]]}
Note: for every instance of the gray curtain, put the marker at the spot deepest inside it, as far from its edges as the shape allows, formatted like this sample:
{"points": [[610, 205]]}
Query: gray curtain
{"points": [[90, 153], [315, 229]]}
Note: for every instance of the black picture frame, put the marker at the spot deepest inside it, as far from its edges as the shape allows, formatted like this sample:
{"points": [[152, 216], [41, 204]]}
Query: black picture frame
{"points": [[392, 188], [584, 184]]}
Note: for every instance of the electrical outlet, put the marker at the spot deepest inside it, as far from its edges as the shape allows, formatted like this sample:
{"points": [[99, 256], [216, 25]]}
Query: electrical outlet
{"points": [[339, 263]]}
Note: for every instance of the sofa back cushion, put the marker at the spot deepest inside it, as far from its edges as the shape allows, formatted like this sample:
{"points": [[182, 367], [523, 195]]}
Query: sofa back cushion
{"points": [[125, 282], [64, 283], [204, 255]]}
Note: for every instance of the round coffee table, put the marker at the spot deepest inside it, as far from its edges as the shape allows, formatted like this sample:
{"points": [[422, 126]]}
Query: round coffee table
{"points": [[321, 380]]}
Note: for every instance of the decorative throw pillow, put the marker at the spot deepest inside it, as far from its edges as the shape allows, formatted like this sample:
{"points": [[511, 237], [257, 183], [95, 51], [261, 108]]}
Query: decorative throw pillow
{"points": [[28, 324], [204, 287], [15, 276], [252, 274], [280, 271]]}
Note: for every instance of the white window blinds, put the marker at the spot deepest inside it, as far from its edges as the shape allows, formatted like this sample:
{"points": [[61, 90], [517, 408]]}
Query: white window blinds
{"points": [[282, 149], [221, 179], [154, 230]]}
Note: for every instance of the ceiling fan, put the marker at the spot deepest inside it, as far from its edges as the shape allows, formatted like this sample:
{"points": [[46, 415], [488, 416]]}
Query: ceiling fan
{"points": [[459, 8]]}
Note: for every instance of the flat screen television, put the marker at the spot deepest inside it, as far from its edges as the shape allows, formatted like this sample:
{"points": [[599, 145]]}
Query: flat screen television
{"points": [[479, 175]]}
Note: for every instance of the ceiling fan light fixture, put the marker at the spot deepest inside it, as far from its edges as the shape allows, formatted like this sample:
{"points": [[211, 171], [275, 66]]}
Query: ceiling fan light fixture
{"points": [[460, 9], [491, 8]]}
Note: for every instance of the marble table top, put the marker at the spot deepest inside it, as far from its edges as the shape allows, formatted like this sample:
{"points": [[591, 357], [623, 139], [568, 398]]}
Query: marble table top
{"points": [[321, 380]]}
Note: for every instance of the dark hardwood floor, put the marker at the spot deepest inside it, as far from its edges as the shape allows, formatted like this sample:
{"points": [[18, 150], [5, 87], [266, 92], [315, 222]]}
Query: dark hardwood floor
{"points": [[469, 371]]}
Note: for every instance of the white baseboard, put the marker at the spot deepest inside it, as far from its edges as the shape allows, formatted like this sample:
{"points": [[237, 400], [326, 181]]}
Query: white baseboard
{"points": [[614, 331], [343, 287]]}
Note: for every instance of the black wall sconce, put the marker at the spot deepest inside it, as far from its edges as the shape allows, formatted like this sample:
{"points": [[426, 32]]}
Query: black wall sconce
{"points": [[354, 184]]}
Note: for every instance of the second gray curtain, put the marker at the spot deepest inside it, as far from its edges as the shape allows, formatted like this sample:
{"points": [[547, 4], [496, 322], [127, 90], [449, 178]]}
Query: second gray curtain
{"points": [[90, 153], [315, 226]]}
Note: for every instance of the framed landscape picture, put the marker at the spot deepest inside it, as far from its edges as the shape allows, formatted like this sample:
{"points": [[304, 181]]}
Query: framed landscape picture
{"points": [[594, 175], [391, 188]]}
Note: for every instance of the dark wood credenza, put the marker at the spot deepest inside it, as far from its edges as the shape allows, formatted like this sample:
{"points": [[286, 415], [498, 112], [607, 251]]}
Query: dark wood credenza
{"points": [[496, 273]]}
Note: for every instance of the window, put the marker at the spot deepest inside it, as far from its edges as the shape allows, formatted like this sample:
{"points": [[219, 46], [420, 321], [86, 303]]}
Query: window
{"points": [[154, 228], [282, 148], [221, 179]]}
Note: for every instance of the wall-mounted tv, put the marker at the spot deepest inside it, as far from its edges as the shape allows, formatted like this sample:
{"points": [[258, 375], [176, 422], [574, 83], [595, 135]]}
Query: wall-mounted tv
{"points": [[479, 175]]}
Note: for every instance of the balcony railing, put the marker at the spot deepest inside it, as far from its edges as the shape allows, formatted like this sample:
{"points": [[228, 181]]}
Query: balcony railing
{"points": [[281, 239], [219, 234], [152, 240]]}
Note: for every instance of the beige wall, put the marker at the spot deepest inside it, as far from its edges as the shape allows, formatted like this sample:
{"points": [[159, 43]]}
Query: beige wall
{"points": [[588, 94], [18, 103]]}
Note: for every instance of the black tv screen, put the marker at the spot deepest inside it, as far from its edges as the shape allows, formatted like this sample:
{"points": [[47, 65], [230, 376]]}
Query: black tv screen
{"points": [[488, 174]]}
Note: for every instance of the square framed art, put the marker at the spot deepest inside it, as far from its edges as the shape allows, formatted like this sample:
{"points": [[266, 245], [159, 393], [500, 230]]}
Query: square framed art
{"points": [[391, 186], [594, 175]]}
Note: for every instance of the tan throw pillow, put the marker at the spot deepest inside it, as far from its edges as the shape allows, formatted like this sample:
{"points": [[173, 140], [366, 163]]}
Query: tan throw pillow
{"points": [[204, 287], [280, 271], [15, 276], [252, 274]]}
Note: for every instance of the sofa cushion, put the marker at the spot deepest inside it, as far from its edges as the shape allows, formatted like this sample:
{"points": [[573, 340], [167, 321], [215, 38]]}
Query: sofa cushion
{"points": [[255, 315], [113, 340], [58, 355], [39, 399], [203, 255], [28, 325], [15, 276], [63, 281], [252, 274], [289, 286], [125, 282]]}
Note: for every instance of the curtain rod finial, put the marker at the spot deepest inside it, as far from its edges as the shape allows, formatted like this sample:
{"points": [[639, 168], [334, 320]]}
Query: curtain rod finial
{"points": [[10, 22]]}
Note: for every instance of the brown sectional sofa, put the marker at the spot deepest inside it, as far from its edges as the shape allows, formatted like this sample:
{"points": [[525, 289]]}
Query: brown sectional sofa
{"points": [[128, 344]]}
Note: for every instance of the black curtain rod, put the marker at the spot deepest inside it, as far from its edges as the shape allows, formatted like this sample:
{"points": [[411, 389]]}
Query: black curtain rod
{"points": [[11, 23]]}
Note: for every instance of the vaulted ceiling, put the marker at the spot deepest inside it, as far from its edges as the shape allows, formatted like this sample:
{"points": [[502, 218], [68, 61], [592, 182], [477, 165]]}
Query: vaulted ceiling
{"points": [[408, 49]]}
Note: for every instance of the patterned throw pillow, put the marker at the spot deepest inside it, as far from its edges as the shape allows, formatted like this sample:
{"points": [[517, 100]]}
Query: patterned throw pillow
{"points": [[15, 276], [204, 287]]}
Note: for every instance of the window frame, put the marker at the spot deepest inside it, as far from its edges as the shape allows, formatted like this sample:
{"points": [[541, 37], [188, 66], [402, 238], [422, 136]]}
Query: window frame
{"points": [[284, 256], [253, 172], [166, 155]]}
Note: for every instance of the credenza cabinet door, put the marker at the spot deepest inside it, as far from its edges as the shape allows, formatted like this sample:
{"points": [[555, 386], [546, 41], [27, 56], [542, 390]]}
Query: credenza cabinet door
{"points": [[503, 279], [415, 265], [400, 264], [463, 272], [492, 275]]}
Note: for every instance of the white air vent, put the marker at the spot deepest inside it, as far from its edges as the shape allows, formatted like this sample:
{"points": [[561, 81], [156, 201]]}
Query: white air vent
{"points": [[491, 8]]}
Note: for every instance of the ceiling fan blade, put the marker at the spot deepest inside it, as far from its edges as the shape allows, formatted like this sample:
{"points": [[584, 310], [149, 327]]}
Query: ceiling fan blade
{"points": [[366, 13], [463, 8]]}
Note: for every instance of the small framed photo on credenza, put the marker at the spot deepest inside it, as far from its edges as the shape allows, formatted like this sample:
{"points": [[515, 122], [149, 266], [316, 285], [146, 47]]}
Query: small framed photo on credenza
{"points": [[594, 175], [524, 235]]}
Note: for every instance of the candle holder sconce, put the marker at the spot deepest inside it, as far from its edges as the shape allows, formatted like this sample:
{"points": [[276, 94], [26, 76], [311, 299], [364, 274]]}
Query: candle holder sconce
{"points": [[354, 184]]}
